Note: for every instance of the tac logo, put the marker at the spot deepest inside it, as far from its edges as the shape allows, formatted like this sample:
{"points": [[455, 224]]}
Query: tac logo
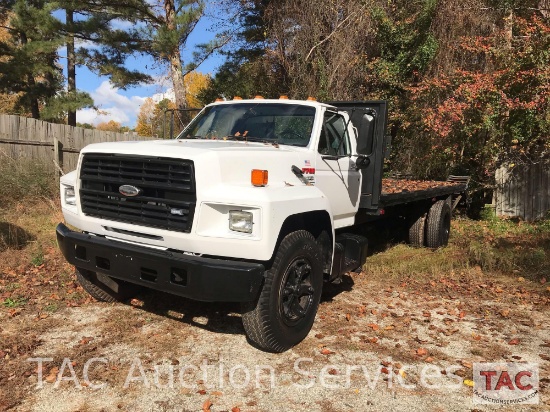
{"points": [[506, 383]]}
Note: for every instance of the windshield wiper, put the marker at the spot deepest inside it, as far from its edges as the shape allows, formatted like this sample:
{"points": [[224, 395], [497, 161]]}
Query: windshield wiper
{"points": [[236, 137], [190, 137]]}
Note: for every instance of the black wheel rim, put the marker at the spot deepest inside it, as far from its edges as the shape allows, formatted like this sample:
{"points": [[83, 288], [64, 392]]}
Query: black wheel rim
{"points": [[296, 293]]}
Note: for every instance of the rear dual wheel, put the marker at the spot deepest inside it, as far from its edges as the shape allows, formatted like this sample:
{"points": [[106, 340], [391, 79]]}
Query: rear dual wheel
{"points": [[438, 225], [432, 229]]}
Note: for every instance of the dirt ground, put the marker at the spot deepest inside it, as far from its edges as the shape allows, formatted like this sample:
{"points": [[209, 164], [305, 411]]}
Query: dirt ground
{"points": [[373, 335]]}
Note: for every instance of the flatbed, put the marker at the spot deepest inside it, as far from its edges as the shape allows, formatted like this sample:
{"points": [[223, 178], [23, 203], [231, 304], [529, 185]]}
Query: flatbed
{"points": [[399, 191]]}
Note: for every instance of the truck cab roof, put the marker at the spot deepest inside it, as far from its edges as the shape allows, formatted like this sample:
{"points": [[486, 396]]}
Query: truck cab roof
{"points": [[311, 103]]}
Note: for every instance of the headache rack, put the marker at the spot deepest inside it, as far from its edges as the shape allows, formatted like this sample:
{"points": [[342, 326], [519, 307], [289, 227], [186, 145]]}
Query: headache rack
{"points": [[166, 196]]}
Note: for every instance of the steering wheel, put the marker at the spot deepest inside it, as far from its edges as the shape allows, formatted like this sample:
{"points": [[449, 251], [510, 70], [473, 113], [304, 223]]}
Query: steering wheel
{"points": [[291, 134]]}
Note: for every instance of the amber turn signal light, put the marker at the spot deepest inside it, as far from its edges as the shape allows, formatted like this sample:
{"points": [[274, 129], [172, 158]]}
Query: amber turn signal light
{"points": [[259, 177]]}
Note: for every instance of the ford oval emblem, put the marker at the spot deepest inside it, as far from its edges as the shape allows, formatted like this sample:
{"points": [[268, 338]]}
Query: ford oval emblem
{"points": [[129, 190]]}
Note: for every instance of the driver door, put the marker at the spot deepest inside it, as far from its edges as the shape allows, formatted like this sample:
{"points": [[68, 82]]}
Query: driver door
{"points": [[335, 173]]}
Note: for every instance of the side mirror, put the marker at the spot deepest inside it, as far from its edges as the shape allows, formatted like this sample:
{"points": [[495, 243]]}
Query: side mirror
{"points": [[366, 133], [362, 162]]}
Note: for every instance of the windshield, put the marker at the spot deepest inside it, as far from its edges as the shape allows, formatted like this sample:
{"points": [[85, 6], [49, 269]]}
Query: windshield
{"points": [[276, 123]]}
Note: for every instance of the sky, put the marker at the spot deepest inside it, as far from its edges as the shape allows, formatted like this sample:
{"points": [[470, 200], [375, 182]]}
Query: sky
{"points": [[123, 105]]}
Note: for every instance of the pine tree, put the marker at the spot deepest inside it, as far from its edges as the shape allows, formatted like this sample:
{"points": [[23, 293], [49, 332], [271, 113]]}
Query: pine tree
{"points": [[92, 21], [168, 32], [29, 68]]}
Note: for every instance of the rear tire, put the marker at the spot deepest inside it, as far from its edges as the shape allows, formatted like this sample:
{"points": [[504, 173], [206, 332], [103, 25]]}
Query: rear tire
{"points": [[284, 312], [438, 225], [417, 232], [103, 287]]}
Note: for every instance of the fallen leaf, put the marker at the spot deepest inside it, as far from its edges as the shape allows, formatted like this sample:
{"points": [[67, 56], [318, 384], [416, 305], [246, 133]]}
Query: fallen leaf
{"points": [[462, 314], [206, 406], [466, 364], [332, 372], [319, 336], [201, 392], [216, 393], [543, 281], [348, 317], [421, 352], [505, 313], [468, 382], [514, 341], [326, 351], [373, 326], [236, 409]]}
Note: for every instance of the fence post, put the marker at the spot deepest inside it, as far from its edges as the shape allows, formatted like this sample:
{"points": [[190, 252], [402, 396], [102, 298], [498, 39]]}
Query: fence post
{"points": [[58, 156]]}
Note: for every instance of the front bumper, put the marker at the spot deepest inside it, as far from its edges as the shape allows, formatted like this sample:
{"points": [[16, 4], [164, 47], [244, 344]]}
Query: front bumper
{"points": [[199, 278]]}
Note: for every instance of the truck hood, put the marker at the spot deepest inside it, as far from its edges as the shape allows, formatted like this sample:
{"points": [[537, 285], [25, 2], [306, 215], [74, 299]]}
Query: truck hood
{"points": [[221, 162], [181, 148]]}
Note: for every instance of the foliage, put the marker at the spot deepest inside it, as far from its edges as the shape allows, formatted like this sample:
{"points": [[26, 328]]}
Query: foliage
{"points": [[479, 118], [112, 126], [150, 121], [29, 67], [195, 82]]}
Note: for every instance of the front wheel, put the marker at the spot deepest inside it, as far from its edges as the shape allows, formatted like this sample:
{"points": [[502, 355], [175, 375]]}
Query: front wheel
{"points": [[283, 314]]}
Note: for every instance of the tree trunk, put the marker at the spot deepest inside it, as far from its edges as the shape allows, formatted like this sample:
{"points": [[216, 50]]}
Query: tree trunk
{"points": [[71, 70], [509, 28], [544, 7], [33, 101], [176, 71]]}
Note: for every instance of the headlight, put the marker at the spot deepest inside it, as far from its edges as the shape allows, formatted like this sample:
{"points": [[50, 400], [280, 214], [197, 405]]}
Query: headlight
{"points": [[70, 196], [240, 221]]}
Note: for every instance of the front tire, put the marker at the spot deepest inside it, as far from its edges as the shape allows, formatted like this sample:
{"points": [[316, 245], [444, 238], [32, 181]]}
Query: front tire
{"points": [[104, 288], [283, 314]]}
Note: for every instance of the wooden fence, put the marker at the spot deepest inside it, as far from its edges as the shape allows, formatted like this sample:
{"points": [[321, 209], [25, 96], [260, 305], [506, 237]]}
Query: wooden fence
{"points": [[50, 143], [523, 192]]}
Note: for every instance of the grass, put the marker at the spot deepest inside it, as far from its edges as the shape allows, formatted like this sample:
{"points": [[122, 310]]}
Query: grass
{"points": [[38, 258], [25, 179], [14, 302], [494, 245]]}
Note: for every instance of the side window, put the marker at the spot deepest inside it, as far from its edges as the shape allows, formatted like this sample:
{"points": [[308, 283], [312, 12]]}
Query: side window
{"points": [[334, 138]]}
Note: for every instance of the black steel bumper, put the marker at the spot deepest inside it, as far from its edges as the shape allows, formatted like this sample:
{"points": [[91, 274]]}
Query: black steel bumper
{"points": [[199, 278]]}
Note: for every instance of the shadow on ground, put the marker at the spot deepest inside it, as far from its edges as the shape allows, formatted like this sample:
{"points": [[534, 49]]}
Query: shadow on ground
{"points": [[13, 237], [219, 317]]}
